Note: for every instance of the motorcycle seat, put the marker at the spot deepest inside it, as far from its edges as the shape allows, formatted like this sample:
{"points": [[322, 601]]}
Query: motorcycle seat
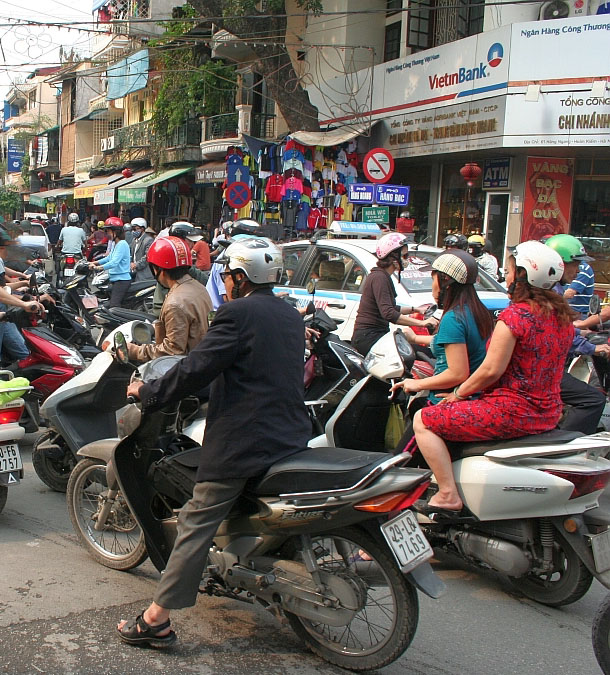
{"points": [[479, 448], [130, 314], [141, 285], [319, 469]]}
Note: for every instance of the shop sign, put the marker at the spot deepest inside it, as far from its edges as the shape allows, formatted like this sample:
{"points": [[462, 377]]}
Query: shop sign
{"points": [[465, 126], [217, 174], [393, 195], [496, 173], [548, 197], [16, 151], [361, 193], [37, 201], [132, 195], [104, 196], [376, 214]]}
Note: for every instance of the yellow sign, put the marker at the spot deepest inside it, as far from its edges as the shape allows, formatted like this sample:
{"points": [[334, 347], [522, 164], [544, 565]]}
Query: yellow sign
{"points": [[89, 191]]}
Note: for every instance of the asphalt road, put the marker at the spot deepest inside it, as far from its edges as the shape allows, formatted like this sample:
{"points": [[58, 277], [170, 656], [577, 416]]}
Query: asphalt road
{"points": [[58, 609]]}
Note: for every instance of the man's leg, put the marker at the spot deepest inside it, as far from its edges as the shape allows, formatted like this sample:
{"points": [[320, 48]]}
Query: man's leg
{"points": [[119, 288], [13, 342], [586, 405]]}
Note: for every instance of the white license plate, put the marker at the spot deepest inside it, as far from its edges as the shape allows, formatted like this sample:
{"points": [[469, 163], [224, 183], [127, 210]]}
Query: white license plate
{"points": [[10, 458], [600, 543], [408, 543], [69, 272]]}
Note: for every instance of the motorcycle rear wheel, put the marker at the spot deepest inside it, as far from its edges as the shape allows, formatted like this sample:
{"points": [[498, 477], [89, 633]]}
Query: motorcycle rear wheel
{"points": [[120, 544], [55, 473], [600, 635], [567, 584], [386, 622], [3, 496]]}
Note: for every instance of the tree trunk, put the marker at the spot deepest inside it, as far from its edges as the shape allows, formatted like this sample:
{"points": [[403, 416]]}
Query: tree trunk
{"points": [[272, 61]]}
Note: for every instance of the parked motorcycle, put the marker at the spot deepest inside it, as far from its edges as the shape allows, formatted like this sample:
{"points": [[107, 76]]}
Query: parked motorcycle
{"points": [[83, 410], [325, 538], [67, 267], [11, 432], [530, 504]]}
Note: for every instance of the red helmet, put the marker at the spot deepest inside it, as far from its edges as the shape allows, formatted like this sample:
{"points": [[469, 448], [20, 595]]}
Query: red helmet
{"points": [[169, 253], [113, 223]]}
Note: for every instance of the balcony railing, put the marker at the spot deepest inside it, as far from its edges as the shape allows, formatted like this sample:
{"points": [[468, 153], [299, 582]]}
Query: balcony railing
{"points": [[262, 125], [133, 136], [188, 133], [140, 135], [222, 126]]}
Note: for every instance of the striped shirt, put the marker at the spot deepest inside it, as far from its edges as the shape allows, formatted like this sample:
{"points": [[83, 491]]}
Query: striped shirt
{"points": [[583, 285]]}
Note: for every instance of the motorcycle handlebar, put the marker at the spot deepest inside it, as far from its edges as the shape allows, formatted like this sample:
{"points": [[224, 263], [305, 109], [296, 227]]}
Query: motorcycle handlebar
{"points": [[132, 399]]}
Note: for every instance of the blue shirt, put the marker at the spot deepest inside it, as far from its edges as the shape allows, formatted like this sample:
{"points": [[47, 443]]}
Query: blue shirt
{"points": [[215, 285], [117, 264], [457, 327], [73, 239], [583, 285]]}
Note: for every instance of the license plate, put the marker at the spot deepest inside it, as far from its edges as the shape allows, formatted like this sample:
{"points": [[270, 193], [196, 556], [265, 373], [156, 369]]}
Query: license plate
{"points": [[69, 272], [600, 543], [10, 458], [408, 543]]}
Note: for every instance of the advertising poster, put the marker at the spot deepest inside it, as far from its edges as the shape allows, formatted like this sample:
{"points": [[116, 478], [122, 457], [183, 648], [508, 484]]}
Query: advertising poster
{"points": [[548, 197]]}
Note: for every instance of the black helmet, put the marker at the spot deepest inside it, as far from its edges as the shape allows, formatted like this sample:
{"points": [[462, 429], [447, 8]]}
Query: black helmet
{"points": [[245, 226], [456, 241], [184, 230]]}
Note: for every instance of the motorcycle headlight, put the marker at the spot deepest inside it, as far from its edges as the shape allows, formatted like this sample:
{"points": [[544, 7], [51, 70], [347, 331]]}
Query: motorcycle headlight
{"points": [[70, 356]]}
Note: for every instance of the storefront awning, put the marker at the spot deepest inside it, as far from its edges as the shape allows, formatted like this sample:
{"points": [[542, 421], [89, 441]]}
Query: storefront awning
{"points": [[327, 138], [211, 172], [136, 192], [41, 198], [107, 194], [88, 188]]}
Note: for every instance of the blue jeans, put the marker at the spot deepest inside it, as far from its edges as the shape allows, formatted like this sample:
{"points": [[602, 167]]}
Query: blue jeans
{"points": [[12, 341]]}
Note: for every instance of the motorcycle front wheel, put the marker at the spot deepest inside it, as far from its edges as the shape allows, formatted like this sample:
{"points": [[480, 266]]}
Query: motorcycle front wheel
{"points": [[119, 544], [386, 620], [566, 583], [53, 466], [600, 635]]}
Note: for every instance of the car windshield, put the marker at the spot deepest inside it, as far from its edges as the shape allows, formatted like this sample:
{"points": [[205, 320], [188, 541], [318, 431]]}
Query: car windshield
{"points": [[36, 230], [417, 275]]}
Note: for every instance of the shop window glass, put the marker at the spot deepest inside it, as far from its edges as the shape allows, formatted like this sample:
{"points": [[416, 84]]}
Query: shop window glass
{"points": [[462, 207], [601, 167], [582, 167], [420, 26], [591, 223], [392, 42]]}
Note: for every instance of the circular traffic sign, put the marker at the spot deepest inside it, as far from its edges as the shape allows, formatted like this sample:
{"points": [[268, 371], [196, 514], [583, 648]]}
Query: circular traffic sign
{"points": [[378, 165], [238, 195]]}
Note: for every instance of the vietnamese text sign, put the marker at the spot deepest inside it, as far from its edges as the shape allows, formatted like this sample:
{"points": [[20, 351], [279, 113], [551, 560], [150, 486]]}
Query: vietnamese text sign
{"points": [[496, 173], [132, 195], [393, 195], [548, 197], [16, 150], [104, 196], [376, 214], [361, 193]]}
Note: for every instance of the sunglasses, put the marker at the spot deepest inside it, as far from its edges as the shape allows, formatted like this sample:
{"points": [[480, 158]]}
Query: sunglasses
{"points": [[224, 275]]}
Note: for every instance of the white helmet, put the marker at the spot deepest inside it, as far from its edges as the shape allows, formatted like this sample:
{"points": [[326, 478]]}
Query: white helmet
{"points": [[73, 218], [127, 227], [543, 265], [139, 222], [258, 258]]}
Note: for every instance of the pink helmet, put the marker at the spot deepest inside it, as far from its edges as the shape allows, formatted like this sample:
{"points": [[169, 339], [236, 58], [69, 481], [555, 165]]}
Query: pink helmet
{"points": [[389, 243]]}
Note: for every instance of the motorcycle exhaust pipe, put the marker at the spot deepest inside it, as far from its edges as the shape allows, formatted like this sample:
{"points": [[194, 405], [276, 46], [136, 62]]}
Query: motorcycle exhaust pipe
{"points": [[500, 555]]}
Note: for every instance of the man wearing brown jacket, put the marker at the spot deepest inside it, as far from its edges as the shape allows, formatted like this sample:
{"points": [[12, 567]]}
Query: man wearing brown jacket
{"points": [[184, 316]]}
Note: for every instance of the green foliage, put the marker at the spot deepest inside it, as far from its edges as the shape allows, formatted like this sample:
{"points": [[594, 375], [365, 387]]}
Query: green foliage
{"points": [[25, 169], [10, 199], [192, 85]]}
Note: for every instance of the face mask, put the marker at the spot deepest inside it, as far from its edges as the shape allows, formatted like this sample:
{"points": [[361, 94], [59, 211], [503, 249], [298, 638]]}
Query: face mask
{"points": [[137, 234]]}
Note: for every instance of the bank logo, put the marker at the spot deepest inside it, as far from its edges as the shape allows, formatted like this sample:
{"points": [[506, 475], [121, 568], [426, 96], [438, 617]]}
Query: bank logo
{"points": [[495, 54]]}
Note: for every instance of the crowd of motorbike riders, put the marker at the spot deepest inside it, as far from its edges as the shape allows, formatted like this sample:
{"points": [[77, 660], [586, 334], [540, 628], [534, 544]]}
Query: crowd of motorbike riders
{"points": [[490, 381]]}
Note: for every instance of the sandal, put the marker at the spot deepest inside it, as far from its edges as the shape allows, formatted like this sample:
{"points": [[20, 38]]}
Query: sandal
{"points": [[436, 512], [146, 635]]}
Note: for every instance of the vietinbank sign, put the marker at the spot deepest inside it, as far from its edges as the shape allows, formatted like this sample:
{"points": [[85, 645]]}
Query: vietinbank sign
{"points": [[480, 72]]}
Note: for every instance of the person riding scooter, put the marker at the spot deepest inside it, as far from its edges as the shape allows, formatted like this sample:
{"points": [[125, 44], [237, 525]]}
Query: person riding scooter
{"points": [[117, 264], [184, 316], [477, 247]]}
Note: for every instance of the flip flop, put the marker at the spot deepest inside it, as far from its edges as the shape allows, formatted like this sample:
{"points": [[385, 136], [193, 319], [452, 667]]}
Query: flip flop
{"points": [[431, 511], [146, 636]]}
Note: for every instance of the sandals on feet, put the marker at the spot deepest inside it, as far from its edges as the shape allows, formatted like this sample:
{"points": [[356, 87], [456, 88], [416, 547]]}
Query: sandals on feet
{"points": [[435, 512], [138, 632]]}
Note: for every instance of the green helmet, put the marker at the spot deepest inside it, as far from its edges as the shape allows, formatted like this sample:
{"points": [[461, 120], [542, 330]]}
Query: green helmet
{"points": [[569, 248]]}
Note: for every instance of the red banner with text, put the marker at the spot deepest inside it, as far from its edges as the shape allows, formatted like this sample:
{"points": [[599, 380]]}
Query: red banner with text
{"points": [[548, 197]]}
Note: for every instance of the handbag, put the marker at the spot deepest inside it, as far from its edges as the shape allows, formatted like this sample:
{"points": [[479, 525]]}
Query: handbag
{"points": [[395, 427]]}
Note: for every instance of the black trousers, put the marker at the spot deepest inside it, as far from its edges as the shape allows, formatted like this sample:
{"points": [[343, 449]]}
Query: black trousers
{"points": [[584, 405], [117, 292], [363, 340]]}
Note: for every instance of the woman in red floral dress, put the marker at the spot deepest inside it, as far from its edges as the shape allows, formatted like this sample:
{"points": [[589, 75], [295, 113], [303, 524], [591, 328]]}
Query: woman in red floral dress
{"points": [[519, 378]]}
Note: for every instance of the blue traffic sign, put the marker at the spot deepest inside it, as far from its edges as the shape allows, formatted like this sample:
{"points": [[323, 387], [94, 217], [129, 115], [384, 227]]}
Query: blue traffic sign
{"points": [[361, 193], [392, 195], [238, 195], [237, 173]]}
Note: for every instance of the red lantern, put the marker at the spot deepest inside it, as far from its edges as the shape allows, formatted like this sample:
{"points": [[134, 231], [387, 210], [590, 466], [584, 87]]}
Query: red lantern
{"points": [[470, 172], [41, 174], [128, 173]]}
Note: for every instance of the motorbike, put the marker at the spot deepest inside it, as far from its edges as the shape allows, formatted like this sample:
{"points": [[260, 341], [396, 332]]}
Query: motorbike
{"points": [[67, 267], [325, 538], [83, 410], [531, 504], [11, 432]]}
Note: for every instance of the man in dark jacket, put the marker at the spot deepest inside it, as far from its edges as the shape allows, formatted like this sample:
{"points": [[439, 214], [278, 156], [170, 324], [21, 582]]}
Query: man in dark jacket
{"points": [[253, 357]]}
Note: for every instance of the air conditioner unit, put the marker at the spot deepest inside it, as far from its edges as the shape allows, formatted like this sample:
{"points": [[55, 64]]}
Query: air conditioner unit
{"points": [[563, 9]]}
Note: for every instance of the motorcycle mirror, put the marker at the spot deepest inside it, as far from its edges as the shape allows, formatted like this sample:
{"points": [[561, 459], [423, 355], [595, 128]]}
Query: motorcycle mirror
{"points": [[311, 308], [311, 286], [33, 282], [594, 304], [120, 347]]}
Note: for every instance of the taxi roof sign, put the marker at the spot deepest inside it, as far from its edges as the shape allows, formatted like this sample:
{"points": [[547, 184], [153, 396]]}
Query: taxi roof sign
{"points": [[350, 228]]}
